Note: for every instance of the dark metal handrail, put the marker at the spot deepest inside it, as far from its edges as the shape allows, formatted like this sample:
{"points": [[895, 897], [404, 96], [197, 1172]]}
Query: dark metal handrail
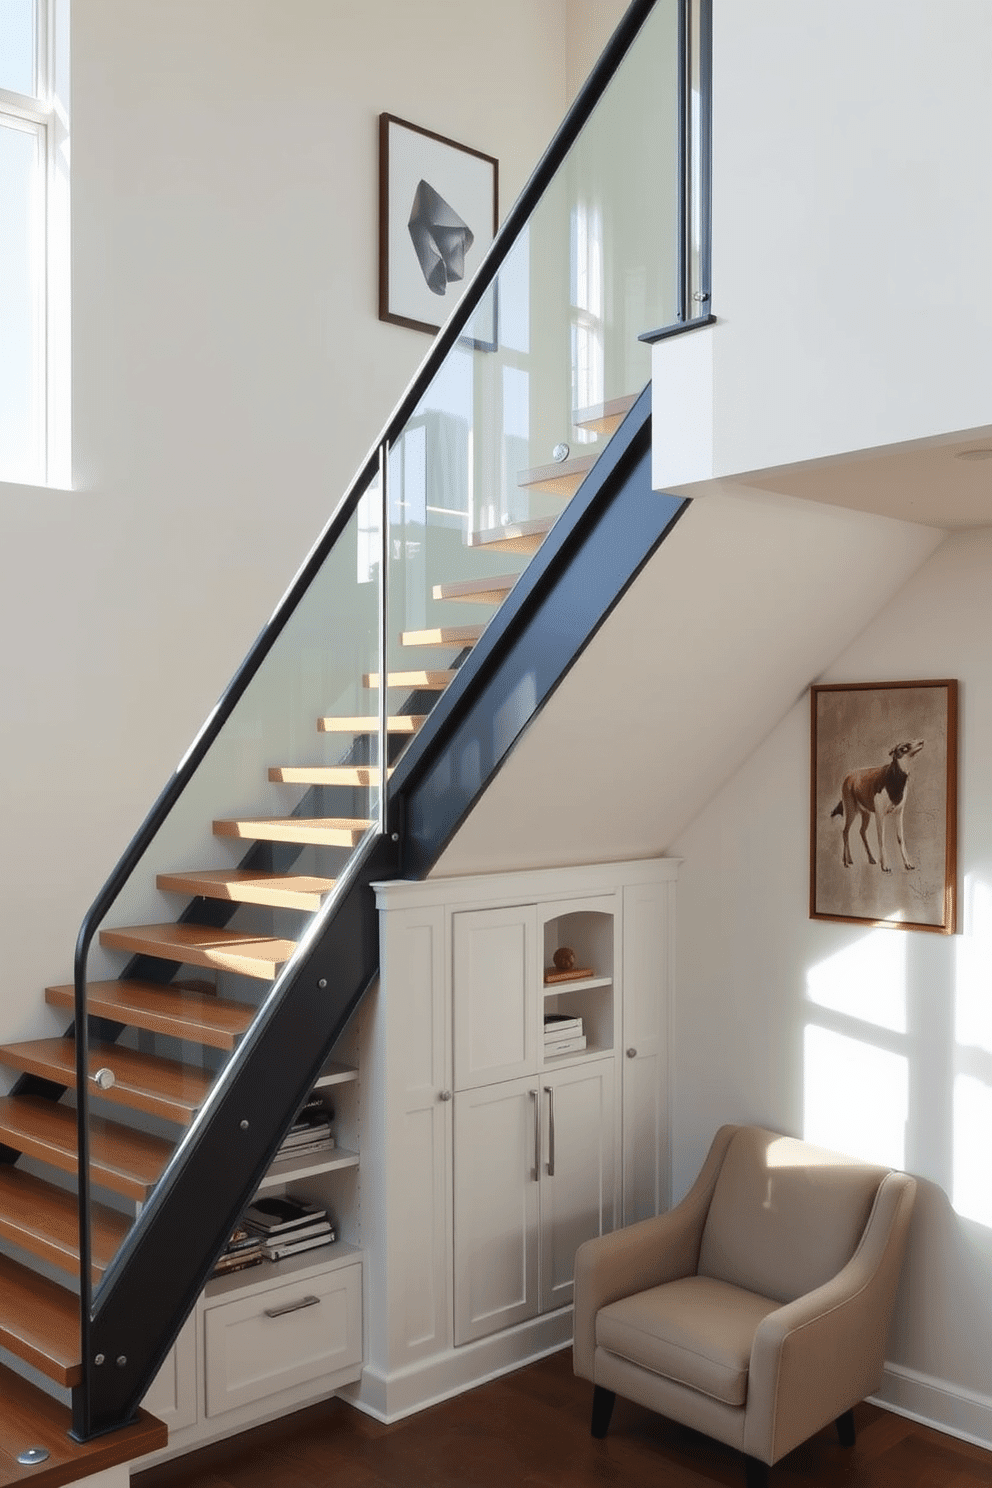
{"points": [[447, 338]]}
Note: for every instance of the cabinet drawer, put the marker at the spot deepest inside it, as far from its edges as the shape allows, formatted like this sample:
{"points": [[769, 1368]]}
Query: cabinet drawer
{"points": [[283, 1336]]}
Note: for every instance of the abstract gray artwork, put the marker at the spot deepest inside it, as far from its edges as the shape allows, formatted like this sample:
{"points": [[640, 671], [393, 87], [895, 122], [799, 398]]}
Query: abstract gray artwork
{"points": [[440, 238]]}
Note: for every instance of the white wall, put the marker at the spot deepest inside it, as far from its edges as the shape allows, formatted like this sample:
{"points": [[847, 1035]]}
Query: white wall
{"points": [[230, 373], [850, 227], [876, 1042]]}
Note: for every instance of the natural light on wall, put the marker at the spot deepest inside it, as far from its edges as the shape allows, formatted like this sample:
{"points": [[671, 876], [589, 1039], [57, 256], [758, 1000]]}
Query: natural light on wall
{"points": [[972, 1188], [856, 1093], [34, 242]]}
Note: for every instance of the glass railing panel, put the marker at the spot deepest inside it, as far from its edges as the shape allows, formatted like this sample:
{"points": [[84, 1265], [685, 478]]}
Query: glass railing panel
{"points": [[235, 878], [546, 367]]}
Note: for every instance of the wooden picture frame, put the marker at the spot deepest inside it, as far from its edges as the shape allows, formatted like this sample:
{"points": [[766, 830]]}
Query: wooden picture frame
{"points": [[884, 758], [438, 213]]}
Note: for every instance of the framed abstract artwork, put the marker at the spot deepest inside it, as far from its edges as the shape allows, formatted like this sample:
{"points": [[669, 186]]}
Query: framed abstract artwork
{"points": [[438, 206], [883, 812]]}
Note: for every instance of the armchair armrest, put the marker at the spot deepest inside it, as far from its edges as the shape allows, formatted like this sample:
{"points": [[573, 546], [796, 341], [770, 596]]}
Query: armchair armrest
{"points": [[642, 1255], [817, 1356]]}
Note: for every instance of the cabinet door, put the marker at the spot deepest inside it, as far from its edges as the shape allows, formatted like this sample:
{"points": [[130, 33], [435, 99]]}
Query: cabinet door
{"points": [[495, 995], [578, 1182], [496, 1182], [645, 1050]]}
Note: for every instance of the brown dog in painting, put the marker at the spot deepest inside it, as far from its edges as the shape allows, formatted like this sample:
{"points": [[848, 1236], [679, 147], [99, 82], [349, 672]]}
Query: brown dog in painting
{"points": [[880, 792]]}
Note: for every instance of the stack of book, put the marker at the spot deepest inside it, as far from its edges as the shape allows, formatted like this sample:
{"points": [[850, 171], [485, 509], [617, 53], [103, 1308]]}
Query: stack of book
{"points": [[562, 1034], [310, 1132], [243, 1249], [284, 1225]]}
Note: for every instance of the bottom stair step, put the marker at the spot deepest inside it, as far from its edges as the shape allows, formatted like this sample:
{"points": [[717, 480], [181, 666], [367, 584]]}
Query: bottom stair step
{"points": [[30, 1418], [39, 1322]]}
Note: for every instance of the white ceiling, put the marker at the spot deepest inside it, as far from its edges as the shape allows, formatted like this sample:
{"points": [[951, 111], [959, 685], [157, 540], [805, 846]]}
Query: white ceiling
{"points": [[747, 602]]}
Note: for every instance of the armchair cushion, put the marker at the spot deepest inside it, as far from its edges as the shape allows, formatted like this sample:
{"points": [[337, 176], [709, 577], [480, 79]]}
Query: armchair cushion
{"points": [[696, 1331]]}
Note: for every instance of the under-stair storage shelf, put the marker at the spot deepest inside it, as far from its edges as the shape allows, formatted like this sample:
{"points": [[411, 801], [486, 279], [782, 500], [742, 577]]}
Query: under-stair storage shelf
{"points": [[492, 1154]]}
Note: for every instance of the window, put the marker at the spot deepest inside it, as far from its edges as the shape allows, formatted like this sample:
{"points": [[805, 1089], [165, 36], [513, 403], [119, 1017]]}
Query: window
{"points": [[34, 240]]}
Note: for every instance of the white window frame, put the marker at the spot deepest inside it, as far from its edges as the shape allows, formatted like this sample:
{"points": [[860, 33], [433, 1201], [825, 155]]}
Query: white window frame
{"points": [[46, 115]]}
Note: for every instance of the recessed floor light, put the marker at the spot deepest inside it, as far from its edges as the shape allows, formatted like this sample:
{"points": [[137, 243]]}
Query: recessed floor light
{"points": [[974, 454]]}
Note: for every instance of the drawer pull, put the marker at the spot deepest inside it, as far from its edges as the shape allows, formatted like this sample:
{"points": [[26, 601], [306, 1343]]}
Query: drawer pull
{"points": [[274, 1312]]}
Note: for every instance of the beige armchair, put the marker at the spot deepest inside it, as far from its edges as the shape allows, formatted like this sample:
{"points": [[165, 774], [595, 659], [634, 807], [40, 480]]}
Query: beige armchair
{"points": [[756, 1310]]}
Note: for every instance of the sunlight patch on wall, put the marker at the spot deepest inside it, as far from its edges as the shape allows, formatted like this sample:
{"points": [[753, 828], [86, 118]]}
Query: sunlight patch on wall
{"points": [[866, 980], [972, 1123], [973, 994], [856, 1097]]}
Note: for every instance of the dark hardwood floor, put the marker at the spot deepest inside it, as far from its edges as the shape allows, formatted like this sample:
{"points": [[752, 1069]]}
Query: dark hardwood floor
{"points": [[532, 1428]]}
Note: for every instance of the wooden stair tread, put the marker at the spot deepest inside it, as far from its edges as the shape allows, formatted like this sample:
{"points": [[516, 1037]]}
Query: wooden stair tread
{"points": [[362, 777], [560, 479], [477, 591], [30, 1418], [514, 537], [365, 723], [44, 1220], [243, 886], [128, 1161], [203, 945], [197, 1016], [320, 831], [163, 1087], [604, 418], [429, 681], [39, 1322], [443, 635]]}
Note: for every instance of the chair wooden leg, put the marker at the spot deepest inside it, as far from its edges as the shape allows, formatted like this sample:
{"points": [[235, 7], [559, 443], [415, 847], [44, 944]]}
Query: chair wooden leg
{"points": [[603, 1402], [845, 1429], [755, 1473]]}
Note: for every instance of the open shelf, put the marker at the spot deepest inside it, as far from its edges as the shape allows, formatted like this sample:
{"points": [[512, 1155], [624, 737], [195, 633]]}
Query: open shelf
{"points": [[292, 1169], [335, 1074], [585, 984], [322, 1258]]}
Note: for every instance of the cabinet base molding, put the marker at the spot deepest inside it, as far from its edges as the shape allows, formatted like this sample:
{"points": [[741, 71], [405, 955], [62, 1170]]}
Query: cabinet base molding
{"points": [[388, 1397]]}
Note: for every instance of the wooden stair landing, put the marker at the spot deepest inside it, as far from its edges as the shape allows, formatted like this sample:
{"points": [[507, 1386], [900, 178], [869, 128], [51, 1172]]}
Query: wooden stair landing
{"points": [[30, 1418]]}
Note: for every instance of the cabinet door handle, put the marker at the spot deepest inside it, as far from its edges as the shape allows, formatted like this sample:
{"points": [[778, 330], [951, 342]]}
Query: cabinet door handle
{"points": [[631, 1053], [444, 1095], [535, 1097], [550, 1093], [274, 1312]]}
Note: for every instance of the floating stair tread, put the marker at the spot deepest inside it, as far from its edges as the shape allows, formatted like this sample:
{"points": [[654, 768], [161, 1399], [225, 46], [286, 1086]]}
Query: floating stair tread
{"points": [[364, 723], [203, 945], [477, 591], [362, 777], [128, 1161], [242, 886], [429, 681], [197, 1016], [604, 418], [44, 1220], [561, 479], [39, 1322], [163, 1087], [319, 831], [515, 537], [29, 1417], [444, 635]]}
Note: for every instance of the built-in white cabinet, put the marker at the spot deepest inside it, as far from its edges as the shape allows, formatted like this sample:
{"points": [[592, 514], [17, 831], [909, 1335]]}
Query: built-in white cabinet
{"points": [[488, 1157]]}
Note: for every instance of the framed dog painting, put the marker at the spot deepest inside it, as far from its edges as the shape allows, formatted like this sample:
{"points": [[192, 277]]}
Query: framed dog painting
{"points": [[883, 814]]}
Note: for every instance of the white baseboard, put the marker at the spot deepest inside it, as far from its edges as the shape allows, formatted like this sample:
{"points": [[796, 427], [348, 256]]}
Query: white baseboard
{"points": [[390, 1397], [934, 1402]]}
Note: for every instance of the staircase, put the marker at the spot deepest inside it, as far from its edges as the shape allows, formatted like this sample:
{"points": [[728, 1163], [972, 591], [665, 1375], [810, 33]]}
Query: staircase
{"points": [[170, 1095]]}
